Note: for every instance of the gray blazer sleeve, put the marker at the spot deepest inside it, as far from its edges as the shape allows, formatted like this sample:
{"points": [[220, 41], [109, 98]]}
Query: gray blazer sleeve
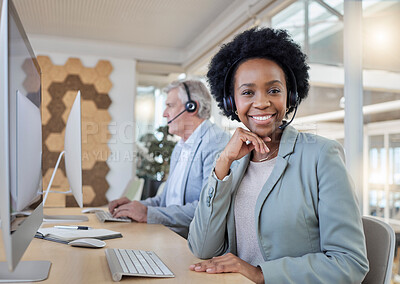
{"points": [[178, 217], [208, 231]]}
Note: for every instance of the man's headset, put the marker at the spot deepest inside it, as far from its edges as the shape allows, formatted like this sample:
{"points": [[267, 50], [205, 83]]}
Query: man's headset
{"points": [[190, 106], [229, 102]]}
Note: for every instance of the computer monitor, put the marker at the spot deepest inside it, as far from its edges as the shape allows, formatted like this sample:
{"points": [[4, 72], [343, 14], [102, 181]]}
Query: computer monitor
{"points": [[73, 150], [73, 159], [20, 148]]}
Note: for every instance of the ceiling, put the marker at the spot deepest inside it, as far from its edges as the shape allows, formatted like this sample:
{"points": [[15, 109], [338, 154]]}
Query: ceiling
{"points": [[168, 36], [174, 33]]}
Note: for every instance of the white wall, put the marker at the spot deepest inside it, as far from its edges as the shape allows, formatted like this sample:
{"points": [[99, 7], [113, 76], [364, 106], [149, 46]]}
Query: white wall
{"points": [[122, 95]]}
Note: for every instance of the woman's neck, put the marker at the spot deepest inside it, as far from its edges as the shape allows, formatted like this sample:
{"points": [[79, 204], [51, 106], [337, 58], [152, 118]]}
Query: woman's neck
{"points": [[273, 147]]}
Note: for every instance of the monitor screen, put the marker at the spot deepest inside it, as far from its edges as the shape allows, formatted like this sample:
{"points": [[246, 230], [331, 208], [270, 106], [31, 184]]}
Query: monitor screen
{"points": [[20, 139]]}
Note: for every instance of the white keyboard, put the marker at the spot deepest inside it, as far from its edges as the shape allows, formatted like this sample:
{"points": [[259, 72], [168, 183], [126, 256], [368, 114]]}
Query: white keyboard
{"points": [[105, 216], [129, 262]]}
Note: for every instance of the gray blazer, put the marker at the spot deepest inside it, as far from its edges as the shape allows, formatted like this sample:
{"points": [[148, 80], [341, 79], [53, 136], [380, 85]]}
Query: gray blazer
{"points": [[307, 218], [212, 140]]}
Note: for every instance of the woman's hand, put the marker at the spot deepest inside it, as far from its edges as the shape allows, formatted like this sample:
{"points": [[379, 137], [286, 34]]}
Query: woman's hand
{"points": [[241, 143], [229, 263]]}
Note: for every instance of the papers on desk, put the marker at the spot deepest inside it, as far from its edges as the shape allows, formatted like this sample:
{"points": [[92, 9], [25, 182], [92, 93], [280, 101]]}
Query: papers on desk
{"points": [[66, 235]]}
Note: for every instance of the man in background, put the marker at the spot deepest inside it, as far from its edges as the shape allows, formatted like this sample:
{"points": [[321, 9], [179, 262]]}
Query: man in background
{"points": [[188, 108]]}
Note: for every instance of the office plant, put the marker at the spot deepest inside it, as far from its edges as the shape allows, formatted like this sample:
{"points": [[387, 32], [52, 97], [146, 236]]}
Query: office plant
{"points": [[153, 161]]}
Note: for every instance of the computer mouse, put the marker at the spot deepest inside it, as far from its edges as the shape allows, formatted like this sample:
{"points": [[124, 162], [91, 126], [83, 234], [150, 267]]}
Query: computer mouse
{"points": [[87, 243], [92, 210]]}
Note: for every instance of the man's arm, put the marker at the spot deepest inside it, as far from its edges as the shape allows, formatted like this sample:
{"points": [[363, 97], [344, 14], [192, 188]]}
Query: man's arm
{"points": [[152, 201], [176, 217]]}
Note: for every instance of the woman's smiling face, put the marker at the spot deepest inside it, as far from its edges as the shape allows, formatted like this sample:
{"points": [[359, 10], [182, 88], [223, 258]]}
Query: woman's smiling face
{"points": [[260, 95]]}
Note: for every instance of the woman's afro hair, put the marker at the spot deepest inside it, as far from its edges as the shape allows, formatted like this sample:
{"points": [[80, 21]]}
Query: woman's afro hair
{"points": [[273, 44]]}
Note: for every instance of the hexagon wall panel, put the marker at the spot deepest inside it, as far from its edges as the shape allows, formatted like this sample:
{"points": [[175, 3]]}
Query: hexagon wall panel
{"points": [[60, 84]]}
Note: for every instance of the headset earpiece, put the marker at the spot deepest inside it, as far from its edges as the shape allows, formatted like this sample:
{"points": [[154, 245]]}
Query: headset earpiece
{"points": [[190, 105], [293, 97], [228, 100], [229, 104]]}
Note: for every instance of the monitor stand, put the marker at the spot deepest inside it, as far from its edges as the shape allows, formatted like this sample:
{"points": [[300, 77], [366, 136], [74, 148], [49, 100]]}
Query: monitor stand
{"points": [[60, 218], [26, 271]]}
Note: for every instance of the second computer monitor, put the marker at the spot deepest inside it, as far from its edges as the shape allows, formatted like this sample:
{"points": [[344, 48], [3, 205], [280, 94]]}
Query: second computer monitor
{"points": [[73, 156], [73, 150]]}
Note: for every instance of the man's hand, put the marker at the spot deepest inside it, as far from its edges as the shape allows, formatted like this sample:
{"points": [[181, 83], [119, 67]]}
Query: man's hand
{"points": [[134, 210], [116, 203], [229, 263]]}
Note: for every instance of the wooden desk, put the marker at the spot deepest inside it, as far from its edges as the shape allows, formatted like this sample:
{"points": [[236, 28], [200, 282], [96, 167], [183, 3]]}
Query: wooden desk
{"points": [[85, 265]]}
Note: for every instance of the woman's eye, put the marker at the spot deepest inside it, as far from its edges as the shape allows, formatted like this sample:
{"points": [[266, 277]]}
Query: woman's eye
{"points": [[274, 91], [247, 93]]}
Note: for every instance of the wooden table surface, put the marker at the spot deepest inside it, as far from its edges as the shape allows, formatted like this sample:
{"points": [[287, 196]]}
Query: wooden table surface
{"points": [[86, 265]]}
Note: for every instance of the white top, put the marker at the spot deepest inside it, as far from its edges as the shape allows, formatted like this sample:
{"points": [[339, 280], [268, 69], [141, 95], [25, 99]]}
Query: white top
{"points": [[174, 195], [255, 177]]}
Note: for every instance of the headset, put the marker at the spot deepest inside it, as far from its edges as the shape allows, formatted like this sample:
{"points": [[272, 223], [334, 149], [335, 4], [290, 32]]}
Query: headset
{"points": [[190, 105], [229, 102]]}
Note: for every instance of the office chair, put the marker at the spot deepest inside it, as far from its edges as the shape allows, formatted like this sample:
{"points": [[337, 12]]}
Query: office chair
{"points": [[380, 242], [161, 188], [134, 189]]}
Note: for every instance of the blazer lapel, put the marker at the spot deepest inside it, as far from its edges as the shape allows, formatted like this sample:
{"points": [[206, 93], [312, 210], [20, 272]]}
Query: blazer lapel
{"points": [[276, 174], [286, 147], [203, 129]]}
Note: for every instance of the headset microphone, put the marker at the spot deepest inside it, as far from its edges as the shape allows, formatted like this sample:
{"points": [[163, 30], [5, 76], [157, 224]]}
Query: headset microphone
{"points": [[190, 105], [176, 116], [284, 124]]}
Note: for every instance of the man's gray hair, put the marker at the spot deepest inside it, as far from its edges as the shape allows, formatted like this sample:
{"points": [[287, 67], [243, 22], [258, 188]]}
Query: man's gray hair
{"points": [[198, 92]]}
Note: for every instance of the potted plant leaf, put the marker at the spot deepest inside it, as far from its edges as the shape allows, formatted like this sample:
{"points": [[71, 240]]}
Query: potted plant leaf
{"points": [[154, 158]]}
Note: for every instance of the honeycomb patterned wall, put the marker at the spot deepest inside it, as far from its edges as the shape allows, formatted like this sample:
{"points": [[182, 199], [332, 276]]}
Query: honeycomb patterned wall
{"points": [[60, 84]]}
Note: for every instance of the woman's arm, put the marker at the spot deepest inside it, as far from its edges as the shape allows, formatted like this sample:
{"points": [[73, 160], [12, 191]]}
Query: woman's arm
{"points": [[207, 230]]}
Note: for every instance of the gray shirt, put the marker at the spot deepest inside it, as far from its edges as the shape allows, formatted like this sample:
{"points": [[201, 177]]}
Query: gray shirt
{"points": [[245, 202]]}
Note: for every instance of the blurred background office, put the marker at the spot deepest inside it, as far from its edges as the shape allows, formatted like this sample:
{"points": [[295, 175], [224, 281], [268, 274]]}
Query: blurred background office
{"points": [[121, 53]]}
